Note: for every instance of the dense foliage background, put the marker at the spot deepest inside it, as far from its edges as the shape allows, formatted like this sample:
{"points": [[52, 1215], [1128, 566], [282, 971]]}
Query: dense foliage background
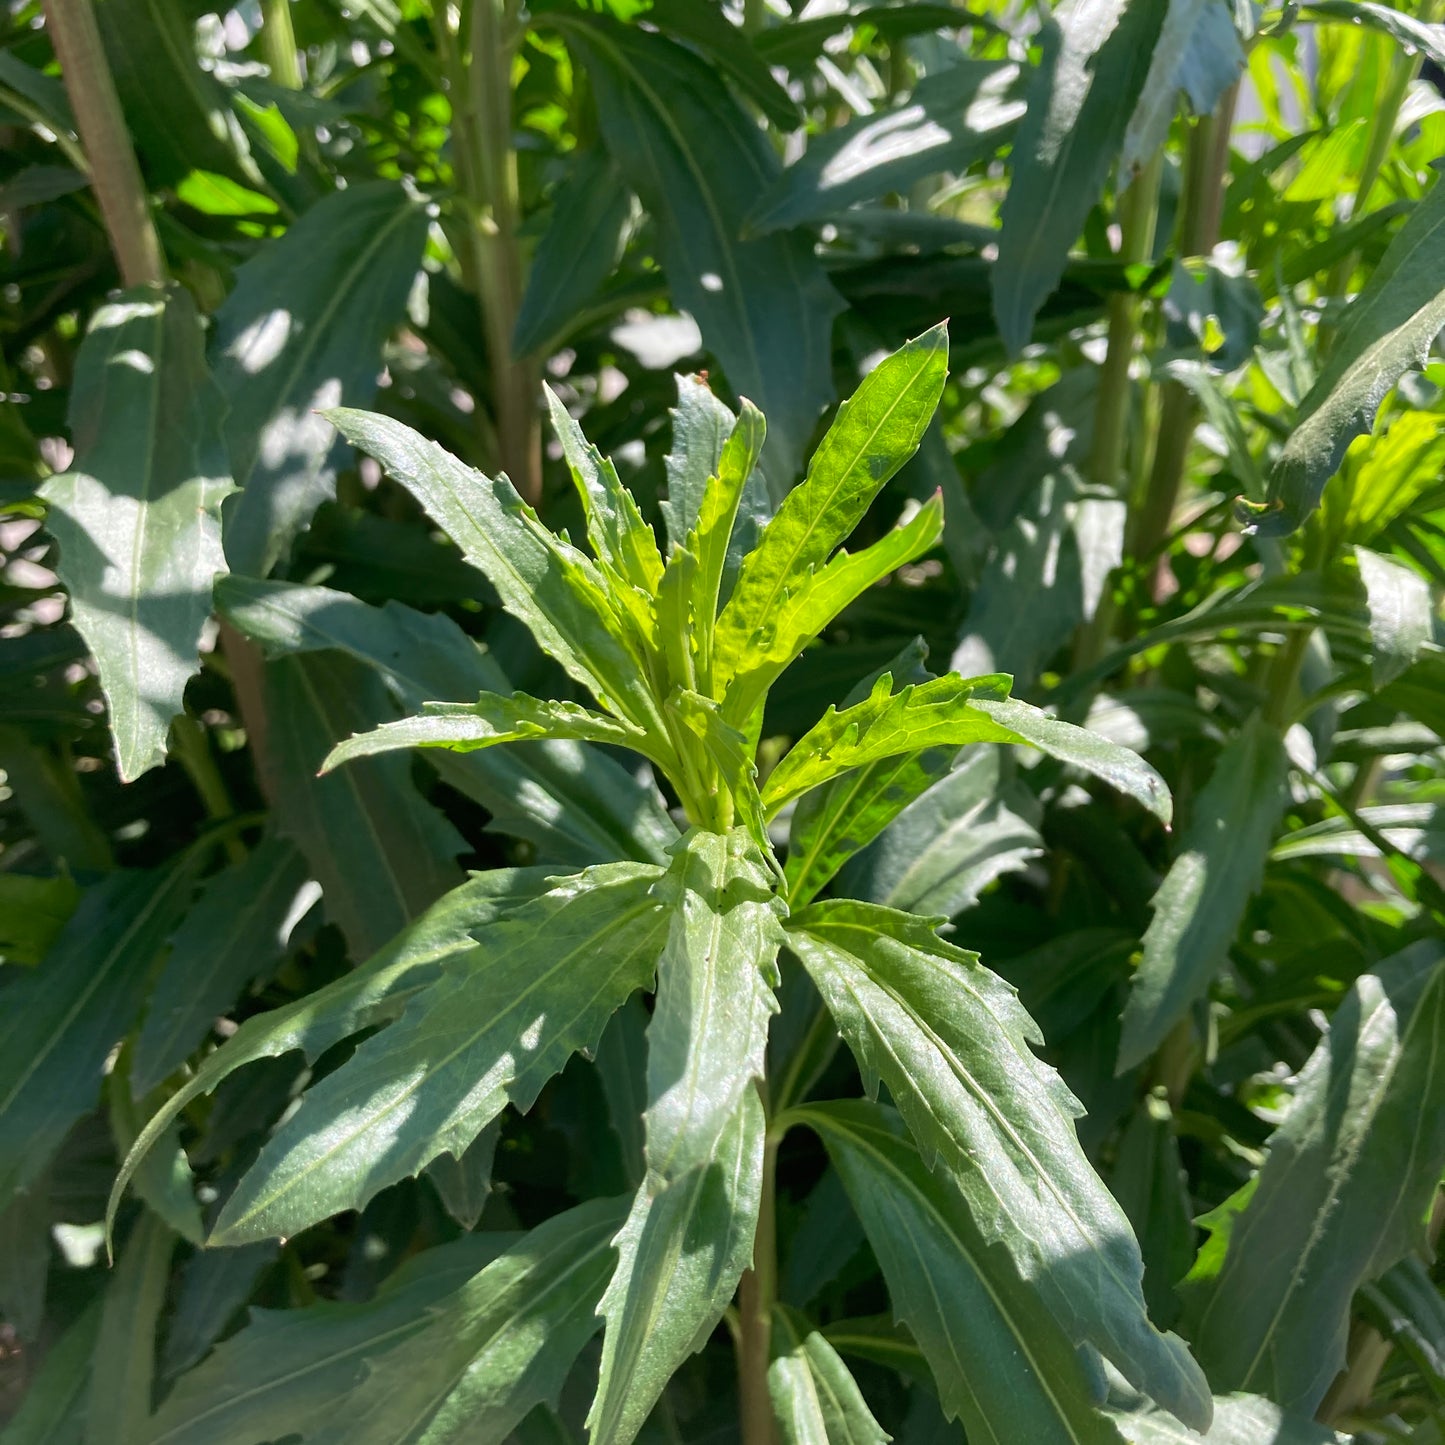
{"points": [[1191, 456]]}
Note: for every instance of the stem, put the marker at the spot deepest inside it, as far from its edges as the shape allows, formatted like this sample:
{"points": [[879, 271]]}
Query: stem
{"points": [[101, 125], [191, 747], [278, 44], [757, 1290]]}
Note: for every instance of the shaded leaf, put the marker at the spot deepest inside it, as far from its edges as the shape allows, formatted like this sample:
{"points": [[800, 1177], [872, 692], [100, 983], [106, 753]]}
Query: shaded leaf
{"points": [[54, 1408], [1406, 1306], [464, 1181], [213, 1285]]}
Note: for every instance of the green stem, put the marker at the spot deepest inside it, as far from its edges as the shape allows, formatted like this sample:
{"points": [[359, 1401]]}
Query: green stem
{"points": [[278, 44], [757, 1290], [190, 745], [114, 175]]}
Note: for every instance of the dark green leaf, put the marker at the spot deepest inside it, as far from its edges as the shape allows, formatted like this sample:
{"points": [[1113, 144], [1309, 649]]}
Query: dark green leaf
{"points": [[465, 1181], [54, 1408], [815, 1398], [1406, 1306], [213, 1285], [125, 1348]]}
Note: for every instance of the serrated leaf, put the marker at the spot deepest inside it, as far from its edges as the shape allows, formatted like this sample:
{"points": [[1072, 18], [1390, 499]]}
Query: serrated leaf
{"points": [[815, 1398], [729, 751], [546, 583], [876, 430], [125, 1347], [303, 330], [576, 804], [689, 1235], [368, 995], [1343, 1194], [952, 119], [502, 1019], [1402, 613], [1096, 56], [1199, 905], [61, 1019], [136, 516], [1387, 330], [694, 156], [464, 1181], [381, 853], [1000, 1362], [1238, 1420], [951, 1042], [234, 932]]}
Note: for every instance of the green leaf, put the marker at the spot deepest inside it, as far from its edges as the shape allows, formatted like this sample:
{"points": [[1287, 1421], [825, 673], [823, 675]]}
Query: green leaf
{"points": [[583, 242], [689, 1235], [371, 994], [698, 162], [951, 120], [576, 804], [61, 1019], [32, 913], [1407, 1308], [444, 1353], [1402, 613], [163, 1180], [380, 852], [462, 727], [235, 932], [502, 1019], [729, 750], [1238, 1420], [52, 1411], [1343, 1195], [815, 1398], [303, 330], [1416, 36], [464, 1181], [213, 1284], [940, 713], [951, 1042], [136, 514], [876, 430], [544, 582], [1387, 330], [816, 598], [25, 1260], [1199, 905], [1001, 1363], [1096, 56]]}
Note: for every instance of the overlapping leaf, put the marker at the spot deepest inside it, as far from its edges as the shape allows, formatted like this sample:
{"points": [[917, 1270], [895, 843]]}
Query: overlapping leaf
{"points": [[815, 1398]]}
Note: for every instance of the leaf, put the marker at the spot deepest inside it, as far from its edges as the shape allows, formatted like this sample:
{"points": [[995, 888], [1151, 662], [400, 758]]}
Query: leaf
{"points": [[213, 1286], [461, 727], [303, 330], [544, 582], [1096, 56], [1199, 905], [502, 1019], [464, 1181], [25, 1261], [1343, 1194], [1238, 1420], [136, 514], [689, 1234], [1001, 1363], [698, 162], [1416, 36], [235, 932], [953, 119], [366, 996], [583, 242], [1407, 1308], [1387, 330], [163, 1180], [951, 1042], [701, 425], [61, 1020], [380, 852], [815, 1399], [1402, 614], [576, 804], [876, 430]]}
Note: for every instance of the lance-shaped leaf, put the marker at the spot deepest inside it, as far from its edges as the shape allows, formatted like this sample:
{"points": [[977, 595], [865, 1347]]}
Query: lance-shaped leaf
{"points": [[1096, 56], [303, 330], [437, 1357], [952, 119], [1407, 1308], [697, 160], [576, 804], [1402, 613], [61, 1019], [137, 514], [462, 727], [361, 999], [1001, 1363], [1343, 1194], [876, 430], [502, 1020], [1238, 1420], [815, 1398], [1388, 329], [689, 1235], [888, 724], [951, 1041], [732, 755], [1202, 899], [546, 583], [807, 607], [1414, 34]]}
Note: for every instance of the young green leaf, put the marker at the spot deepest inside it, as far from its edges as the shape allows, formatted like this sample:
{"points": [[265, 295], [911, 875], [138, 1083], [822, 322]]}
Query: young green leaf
{"points": [[1198, 907], [502, 1019], [1402, 613], [815, 1398], [951, 1042], [137, 514], [1343, 1194]]}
